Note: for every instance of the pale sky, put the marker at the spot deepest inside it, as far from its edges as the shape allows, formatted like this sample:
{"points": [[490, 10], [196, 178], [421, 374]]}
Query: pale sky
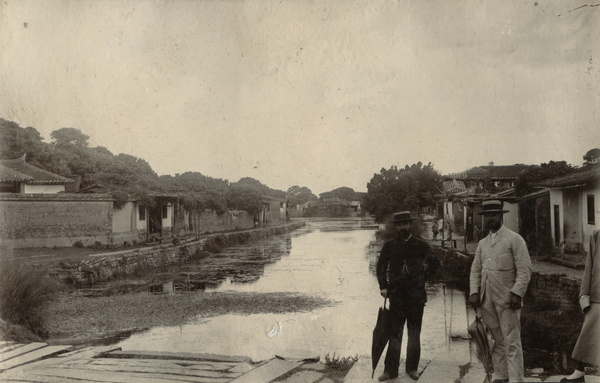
{"points": [[320, 94]]}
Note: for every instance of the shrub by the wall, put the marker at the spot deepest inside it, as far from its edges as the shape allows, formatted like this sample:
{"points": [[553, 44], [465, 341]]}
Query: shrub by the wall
{"points": [[24, 293]]}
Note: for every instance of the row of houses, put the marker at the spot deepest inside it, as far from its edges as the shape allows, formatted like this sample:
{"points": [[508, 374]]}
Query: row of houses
{"points": [[42, 209], [559, 216]]}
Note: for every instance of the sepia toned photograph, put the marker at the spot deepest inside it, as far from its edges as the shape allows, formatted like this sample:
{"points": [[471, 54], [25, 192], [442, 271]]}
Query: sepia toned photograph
{"points": [[299, 191]]}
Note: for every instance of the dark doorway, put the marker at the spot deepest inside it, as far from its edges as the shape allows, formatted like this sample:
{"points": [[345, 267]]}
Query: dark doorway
{"points": [[543, 226], [556, 225], [527, 227], [155, 223]]}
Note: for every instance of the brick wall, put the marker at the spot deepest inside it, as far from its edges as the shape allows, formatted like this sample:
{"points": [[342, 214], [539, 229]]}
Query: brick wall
{"points": [[32, 220], [209, 221], [556, 290]]}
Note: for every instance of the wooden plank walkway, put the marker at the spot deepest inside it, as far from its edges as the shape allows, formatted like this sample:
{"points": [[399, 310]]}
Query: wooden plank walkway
{"points": [[40, 362]]}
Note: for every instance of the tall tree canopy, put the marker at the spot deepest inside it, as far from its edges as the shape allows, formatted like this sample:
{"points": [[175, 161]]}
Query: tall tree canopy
{"points": [[240, 197], [394, 189], [344, 193], [67, 137], [300, 195], [536, 173], [69, 154], [262, 189], [591, 157]]}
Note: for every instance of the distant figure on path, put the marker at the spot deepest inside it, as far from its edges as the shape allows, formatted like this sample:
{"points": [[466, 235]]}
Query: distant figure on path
{"points": [[500, 274], [434, 230], [405, 263], [587, 349]]}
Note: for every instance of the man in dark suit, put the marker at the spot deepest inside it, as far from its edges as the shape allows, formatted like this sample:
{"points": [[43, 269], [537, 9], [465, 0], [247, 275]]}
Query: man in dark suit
{"points": [[405, 263]]}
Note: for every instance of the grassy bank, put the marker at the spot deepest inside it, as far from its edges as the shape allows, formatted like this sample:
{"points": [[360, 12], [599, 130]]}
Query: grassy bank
{"points": [[25, 292], [78, 316]]}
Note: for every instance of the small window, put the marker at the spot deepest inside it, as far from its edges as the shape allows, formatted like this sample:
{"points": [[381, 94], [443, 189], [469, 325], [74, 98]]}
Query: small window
{"points": [[165, 211], [142, 212], [591, 210]]}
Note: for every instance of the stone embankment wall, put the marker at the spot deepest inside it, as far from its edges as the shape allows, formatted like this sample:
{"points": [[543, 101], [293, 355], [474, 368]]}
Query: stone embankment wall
{"points": [[556, 291], [112, 265]]}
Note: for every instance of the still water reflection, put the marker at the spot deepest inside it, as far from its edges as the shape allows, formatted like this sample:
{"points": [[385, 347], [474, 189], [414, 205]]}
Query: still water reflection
{"points": [[331, 259]]}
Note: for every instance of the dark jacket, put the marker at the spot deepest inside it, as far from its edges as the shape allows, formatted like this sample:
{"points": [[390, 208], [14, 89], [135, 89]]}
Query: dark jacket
{"points": [[400, 269]]}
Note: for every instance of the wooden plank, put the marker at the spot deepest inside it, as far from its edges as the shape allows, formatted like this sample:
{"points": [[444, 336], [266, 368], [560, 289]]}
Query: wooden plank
{"points": [[199, 370], [176, 355], [90, 352], [20, 351], [10, 347], [115, 377], [267, 372], [4, 344], [304, 376], [242, 368], [165, 364], [160, 369], [32, 356], [31, 379], [84, 356]]}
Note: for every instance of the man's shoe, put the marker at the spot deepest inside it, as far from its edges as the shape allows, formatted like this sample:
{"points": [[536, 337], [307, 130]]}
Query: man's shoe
{"points": [[581, 379], [500, 381], [414, 374], [385, 376]]}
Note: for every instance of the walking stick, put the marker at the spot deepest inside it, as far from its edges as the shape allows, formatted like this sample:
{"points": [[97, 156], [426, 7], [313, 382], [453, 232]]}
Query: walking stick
{"points": [[451, 314], [445, 325]]}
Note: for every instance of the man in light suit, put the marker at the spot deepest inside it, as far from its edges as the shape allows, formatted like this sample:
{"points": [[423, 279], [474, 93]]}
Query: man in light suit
{"points": [[500, 274]]}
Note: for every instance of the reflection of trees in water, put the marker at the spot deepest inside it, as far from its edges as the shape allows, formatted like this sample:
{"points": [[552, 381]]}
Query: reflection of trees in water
{"points": [[372, 254], [241, 264]]}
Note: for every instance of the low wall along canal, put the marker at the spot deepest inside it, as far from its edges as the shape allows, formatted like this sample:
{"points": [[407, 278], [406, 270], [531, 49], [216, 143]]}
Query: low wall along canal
{"points": [[105, 267]]}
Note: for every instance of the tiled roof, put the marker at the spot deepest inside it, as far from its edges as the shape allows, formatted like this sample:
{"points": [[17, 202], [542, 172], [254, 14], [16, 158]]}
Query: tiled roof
{"points": [[454, 186], [578, 178], [507, 172], [20, 171]]}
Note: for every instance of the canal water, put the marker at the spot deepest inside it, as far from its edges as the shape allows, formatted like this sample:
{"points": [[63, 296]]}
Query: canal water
{"points": [[331, 259]]}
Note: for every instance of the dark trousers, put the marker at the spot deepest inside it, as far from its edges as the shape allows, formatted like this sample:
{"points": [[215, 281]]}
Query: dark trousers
{"points": [[412, 315]]}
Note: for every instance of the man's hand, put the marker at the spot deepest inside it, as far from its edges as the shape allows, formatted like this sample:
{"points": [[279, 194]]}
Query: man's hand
{"points": [[384, 293], [474, 300], [515, 301]]}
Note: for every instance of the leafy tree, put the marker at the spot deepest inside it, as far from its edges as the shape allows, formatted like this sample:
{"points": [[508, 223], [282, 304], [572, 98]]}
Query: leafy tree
{"points": [[16, 141], [300, 195], [535, 174], [127, 176], [66, 137], [396, 189], [591, 157], [241, 197], [344, 193], [263, 189]]}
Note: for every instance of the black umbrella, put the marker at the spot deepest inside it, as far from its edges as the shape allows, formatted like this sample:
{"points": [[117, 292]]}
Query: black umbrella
{"points": [[479, 332], [381, 335]]}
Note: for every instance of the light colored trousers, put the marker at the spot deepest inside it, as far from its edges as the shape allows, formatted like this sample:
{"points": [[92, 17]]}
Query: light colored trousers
{"points": [[505, 325]]}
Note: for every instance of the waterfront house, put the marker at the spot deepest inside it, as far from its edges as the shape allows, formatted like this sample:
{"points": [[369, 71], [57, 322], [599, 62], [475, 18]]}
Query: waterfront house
{"points": [[37, 212], [18, 176], [461, 194], [574, 208]]}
